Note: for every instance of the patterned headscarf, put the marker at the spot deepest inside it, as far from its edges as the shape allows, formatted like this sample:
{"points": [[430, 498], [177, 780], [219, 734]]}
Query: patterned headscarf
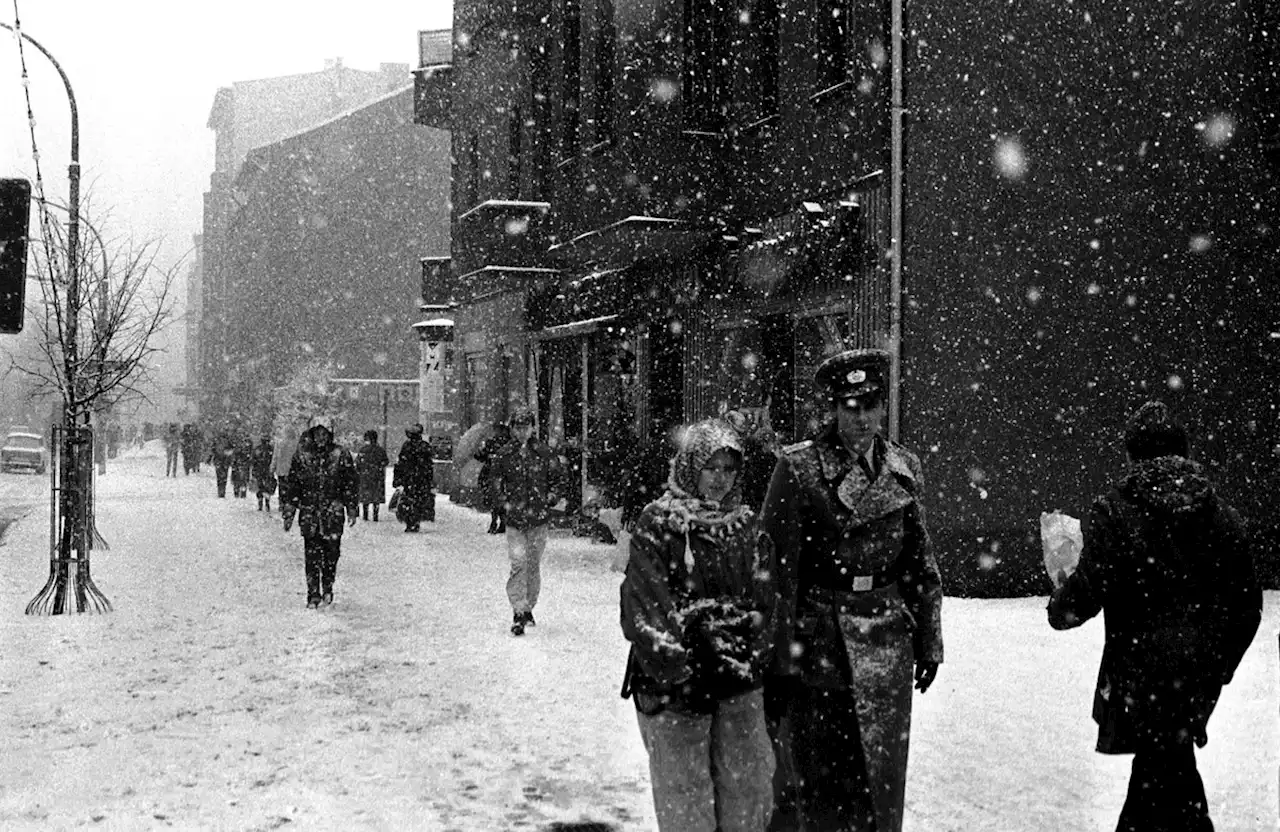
{"points": [[682, 504]]}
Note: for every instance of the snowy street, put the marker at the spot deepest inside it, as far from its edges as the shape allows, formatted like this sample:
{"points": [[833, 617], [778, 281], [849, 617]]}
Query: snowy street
{"points": [[212, 699]]}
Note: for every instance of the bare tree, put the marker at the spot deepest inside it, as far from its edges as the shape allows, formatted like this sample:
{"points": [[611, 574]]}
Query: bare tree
{"points": [[103, 302], [125, 300]]}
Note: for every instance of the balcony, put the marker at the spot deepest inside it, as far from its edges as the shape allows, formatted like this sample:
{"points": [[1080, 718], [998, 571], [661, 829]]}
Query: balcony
{"points": [[503, 232], [622, 243]]}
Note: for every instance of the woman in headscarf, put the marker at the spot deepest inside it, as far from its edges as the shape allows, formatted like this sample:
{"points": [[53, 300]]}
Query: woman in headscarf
{"points": [[697, 606]]}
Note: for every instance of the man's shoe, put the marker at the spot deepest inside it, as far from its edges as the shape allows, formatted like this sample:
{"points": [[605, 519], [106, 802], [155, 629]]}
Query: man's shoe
{"points": [[313, 604], [326, 600], [528, 619], [517, 624]]}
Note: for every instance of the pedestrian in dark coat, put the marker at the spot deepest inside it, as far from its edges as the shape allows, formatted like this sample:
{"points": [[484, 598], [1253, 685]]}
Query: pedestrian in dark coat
{"points": [[221, 450], [527, 474], [241, 461], [263, 474], [190, 451], [371, 463], [1168, 563], [697, 606], [172, 445], [489, 450], [860, 608], [415, 473], [323, 487]]}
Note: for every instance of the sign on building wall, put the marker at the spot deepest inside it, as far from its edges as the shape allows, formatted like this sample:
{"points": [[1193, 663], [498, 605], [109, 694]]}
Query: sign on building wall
{"points": [[431, 372]]}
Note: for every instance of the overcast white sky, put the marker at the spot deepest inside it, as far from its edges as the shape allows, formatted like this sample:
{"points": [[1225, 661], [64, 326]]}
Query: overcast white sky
{"points": [[144, 74]]}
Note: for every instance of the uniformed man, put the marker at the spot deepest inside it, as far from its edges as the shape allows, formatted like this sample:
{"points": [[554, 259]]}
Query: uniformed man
{"points": [[859, 609]]}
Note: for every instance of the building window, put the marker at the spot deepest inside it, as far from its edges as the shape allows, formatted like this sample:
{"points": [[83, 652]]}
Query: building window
{"points": [[834, 38], [473, 169], [515, 152], [766, 23], [706, 65], [606, 38], [571, 44]]}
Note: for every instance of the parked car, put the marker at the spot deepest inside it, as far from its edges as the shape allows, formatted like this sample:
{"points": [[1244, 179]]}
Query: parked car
{"points": [[24, 451]]}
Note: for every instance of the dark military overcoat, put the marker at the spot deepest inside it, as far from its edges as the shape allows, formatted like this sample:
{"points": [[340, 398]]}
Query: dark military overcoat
{"points": [[860, 602]]}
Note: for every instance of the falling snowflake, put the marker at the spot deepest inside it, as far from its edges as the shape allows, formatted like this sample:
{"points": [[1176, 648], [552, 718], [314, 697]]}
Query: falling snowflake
{"points": [[1010, 159], [1175, 382], [1217, 130], [664, 90], [1200, 243]]}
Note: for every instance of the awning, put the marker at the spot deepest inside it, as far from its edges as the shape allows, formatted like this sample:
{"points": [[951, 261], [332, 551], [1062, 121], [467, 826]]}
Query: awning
{"points": [[571, 329]]}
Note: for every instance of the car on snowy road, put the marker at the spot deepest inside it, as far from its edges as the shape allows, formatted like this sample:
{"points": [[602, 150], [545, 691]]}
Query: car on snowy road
{"points": [[23, 451]]}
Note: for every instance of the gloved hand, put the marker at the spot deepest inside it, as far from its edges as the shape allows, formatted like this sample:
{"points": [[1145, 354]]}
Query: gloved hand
{"points": [[926, 672], [351, 518]]}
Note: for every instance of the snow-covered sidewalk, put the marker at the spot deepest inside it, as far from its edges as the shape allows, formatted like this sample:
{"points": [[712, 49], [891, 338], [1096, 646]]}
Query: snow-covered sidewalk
{"points": [[211, 699]]}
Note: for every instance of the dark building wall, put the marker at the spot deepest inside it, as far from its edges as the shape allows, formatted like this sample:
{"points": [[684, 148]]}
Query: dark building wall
{"points": [[1087, 227], [325, 250]]}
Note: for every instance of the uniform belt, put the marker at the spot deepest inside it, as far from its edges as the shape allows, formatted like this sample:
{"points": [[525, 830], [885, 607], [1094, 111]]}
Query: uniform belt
{"points": [[856, 585]]}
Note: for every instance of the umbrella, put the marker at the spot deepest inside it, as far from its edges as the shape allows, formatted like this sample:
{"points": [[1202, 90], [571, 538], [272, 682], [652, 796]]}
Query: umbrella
{"points": [[465, 449], [469, 474]]}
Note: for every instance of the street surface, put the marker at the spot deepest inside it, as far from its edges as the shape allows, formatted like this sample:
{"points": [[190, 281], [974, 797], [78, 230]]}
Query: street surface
{"points": [[211, 699]]}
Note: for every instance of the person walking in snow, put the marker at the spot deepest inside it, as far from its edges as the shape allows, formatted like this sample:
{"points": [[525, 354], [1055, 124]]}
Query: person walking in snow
{"points": [[241, 460], [371, 464], [262, 473], [697, 606], [415, 473], [220, 453], [860, 603], [526, 473], [489, 450], [172, 445], [1168, 563], [323, 485]]}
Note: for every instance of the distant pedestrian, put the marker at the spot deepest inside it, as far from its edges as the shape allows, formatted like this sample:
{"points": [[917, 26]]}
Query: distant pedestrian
{"points": [[1168, 563], [371, 463], [190, 453], [172, 444], [220, 452], [323, 487], [286, 445], [489, 450], [241, 461], [527, 475], [697, 606], [263, 475], [415, 473]]}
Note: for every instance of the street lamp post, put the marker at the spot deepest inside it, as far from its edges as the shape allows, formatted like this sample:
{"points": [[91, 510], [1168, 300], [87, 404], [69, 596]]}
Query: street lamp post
{"points": [[68, 590]]}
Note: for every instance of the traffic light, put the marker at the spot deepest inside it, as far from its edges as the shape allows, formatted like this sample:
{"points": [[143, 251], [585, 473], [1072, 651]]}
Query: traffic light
{"points": [[15, 214]]}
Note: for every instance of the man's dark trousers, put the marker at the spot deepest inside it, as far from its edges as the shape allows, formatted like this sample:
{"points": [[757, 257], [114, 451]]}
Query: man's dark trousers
{"points": [[322, 555], [1166, 793], [220, 470]]}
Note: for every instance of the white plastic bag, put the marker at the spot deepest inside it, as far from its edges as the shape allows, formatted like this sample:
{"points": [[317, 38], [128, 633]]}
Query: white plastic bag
{"points": [[1062, 540]]}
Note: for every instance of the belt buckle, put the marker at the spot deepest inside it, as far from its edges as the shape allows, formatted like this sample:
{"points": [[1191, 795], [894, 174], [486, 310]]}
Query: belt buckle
{"points": [[863, 583]]}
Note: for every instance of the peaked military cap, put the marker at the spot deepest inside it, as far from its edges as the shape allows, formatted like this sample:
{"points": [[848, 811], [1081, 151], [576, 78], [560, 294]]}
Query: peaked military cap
{"points": [[853, 373]]}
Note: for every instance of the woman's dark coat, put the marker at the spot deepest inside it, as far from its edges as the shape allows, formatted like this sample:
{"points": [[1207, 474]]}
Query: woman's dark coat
{"points": [[262, 473], [1169, 564], [371, 465]]}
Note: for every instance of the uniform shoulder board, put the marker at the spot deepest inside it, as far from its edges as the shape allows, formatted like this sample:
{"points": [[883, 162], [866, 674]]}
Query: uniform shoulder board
{"points": [[799, 446]]}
